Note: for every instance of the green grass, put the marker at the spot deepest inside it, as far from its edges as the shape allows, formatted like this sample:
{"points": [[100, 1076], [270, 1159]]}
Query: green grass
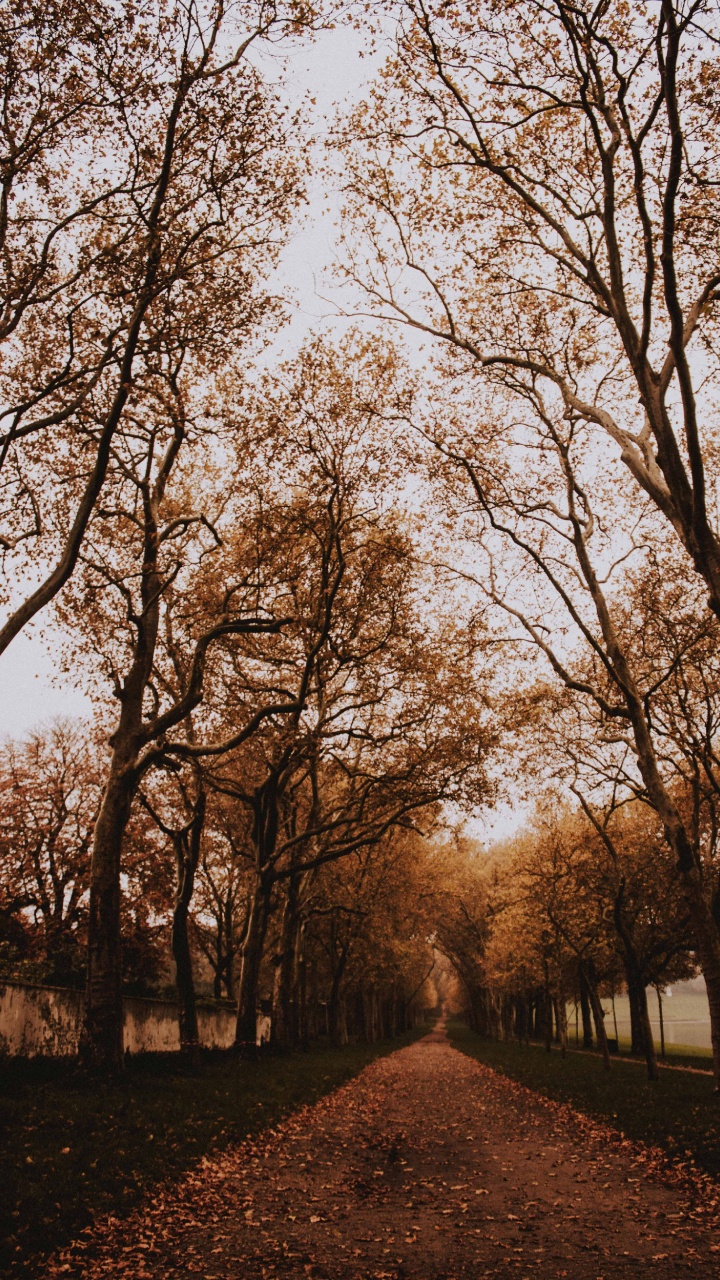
{"points": [[679, 1112], [676, 1055], [71, 1146]]}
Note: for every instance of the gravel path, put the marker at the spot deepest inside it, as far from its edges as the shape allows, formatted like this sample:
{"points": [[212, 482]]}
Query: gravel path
{"points": [[427, 1166]]}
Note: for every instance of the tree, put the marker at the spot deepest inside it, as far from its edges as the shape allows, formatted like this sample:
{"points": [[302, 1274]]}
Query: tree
{"points": [[223, 889], [545, 174], [180, 196], [530, 165], [147, 544], [51, 787], [626, 862], [184, 793], [367, 921], [369, 725], [49, 797], [460, 900]]}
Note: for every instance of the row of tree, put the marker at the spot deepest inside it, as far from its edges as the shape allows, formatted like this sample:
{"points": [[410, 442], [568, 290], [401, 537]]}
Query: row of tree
{"points": [[346, 948], [224, 548], [323, 592], [287, 700], [566, 914], [534, 188]]}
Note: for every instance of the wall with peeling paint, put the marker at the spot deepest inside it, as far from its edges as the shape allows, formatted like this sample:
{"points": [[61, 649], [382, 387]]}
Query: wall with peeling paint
{"points": [[40, 1021]]}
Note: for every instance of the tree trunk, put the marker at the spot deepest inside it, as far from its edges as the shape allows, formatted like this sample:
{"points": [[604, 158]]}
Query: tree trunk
{"points": [[587, 1035], [303, 1019], [645, 1035], [547, 1018], [252, 954], [557, 1015], [103, 1039], [187, 854], [636, 1037], [561, 1022], [642, 1036], [598, 1016], [615, 1022], [189, 1036], [539, 1015], [103, 1033], [366, 1015], [229, 960], [336, 1021], [662, 1022], [284, 1016]]}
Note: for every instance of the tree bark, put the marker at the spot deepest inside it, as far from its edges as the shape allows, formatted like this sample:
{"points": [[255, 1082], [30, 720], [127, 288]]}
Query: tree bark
{"points": [[284, 1018], [561, 1022], [587, 1035], [227, 974], [185, 986], [547, 1018], [252, 954], [303, 1015], [187, 853], [557, 1017], [662, 1022], [102, 1045], [598, 1015], [637, 995], [336, 1020]]}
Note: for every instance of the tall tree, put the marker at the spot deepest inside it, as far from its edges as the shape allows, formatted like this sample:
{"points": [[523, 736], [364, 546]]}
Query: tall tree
{"points": [[571, 530], [364, 733], [536, 186], [148, 544], [180, 190]]}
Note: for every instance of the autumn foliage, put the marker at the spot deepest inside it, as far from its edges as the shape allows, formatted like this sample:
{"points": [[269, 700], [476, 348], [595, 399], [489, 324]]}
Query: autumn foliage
{"points": [[335, 598]]}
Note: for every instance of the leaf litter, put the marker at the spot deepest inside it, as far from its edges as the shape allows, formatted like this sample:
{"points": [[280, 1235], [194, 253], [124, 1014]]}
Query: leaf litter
{"points": [[426, 1166]]}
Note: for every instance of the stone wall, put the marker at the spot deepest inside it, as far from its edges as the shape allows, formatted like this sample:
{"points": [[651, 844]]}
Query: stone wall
{"points": [[46, 1022]]}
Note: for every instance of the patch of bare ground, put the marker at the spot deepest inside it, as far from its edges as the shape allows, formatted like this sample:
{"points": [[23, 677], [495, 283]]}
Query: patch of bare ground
{"points": [[427, 1166]]}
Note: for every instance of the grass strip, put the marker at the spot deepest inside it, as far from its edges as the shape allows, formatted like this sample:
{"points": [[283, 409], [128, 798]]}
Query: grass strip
{"points": [[72, 1147], [680, 1056], [679, 1112]]}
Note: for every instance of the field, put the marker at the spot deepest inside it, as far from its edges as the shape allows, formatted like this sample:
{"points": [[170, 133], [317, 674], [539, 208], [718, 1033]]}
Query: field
{"points": [[685, 1015]]}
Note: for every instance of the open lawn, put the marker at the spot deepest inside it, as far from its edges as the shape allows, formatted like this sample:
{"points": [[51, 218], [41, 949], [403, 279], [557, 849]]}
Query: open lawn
{"points": [[686, 1016], [72, 1146], [676, 1055], [679, 1112]]}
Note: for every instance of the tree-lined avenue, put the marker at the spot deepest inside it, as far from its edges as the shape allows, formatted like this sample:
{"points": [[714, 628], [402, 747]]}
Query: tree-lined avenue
{"points": [[426, 1165]]}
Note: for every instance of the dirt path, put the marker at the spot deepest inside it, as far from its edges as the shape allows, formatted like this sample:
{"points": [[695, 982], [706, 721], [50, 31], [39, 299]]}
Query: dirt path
{"points": [[427, 1166]]}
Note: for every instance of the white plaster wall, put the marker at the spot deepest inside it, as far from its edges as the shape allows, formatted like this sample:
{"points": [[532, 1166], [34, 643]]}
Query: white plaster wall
{"points": [[39, 1021], [47, 1021]]}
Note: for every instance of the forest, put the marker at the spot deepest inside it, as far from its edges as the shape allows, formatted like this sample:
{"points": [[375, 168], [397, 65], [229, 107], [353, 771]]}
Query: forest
{"points": [[343, 591]]}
